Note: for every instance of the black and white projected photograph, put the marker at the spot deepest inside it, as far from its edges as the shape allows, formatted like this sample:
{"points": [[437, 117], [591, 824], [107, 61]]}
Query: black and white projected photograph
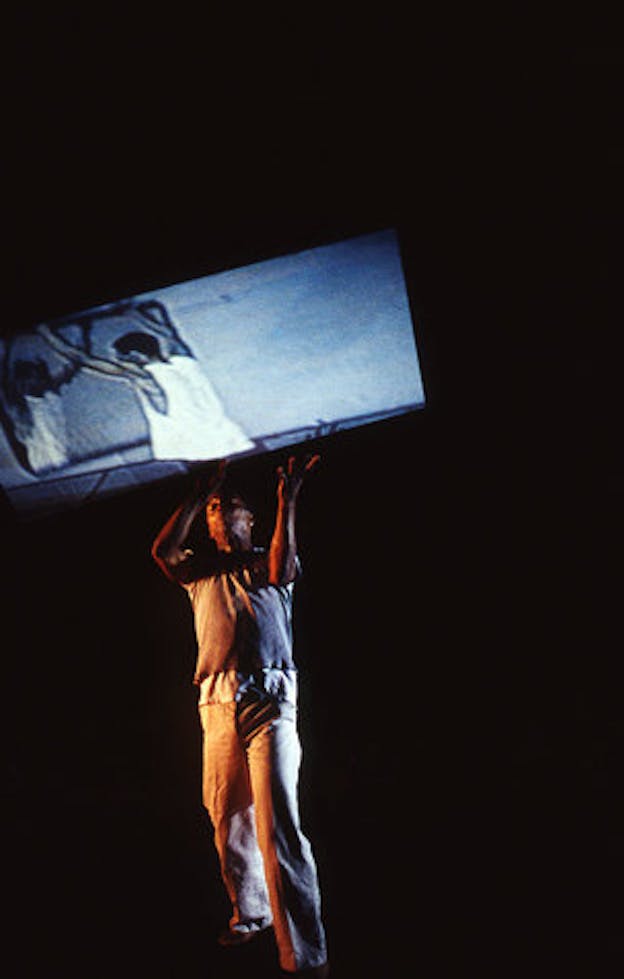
{"points": [[244, 361]]}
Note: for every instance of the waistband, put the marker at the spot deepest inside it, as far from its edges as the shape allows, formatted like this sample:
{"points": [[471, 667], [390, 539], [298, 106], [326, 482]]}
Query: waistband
{"points": [[229, 685]]}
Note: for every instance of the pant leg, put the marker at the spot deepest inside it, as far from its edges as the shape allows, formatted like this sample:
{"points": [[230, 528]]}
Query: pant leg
{"points": [[274, 756], [227, 797]]}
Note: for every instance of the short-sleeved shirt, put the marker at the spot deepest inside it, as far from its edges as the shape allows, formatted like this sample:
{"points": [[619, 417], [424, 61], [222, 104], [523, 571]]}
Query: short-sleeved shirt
{"points": [[243, 627]]}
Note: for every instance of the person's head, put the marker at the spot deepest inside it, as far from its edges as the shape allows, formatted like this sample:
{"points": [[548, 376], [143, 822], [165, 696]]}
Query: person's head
{"points": [[230, 521]]}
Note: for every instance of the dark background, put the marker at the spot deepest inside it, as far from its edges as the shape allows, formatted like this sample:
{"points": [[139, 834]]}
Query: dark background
{"points": [[460, 674]]}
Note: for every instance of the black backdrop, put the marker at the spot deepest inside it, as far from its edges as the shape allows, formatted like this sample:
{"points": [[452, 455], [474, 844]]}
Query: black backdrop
{"points": [[460, 676]]}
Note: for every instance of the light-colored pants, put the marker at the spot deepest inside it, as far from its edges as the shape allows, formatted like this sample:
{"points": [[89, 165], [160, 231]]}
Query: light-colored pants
{"points": [[251, 758]]}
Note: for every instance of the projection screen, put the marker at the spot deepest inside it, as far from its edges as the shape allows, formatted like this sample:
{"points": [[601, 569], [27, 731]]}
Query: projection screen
{"points": [[239, 362]]}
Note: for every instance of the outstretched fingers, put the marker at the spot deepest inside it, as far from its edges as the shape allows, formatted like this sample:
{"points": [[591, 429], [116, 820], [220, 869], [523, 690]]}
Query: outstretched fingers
{"points": [[210, 480], [299, 468], [291, 478], [311, 462]]}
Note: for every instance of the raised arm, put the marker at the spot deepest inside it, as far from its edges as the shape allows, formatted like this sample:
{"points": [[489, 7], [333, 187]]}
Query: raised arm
{"points": [[169, 548], [283, 549]]}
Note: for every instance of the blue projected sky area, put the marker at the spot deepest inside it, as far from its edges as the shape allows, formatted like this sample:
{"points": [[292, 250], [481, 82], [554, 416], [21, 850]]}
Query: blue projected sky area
{"points": [[222, 365]]}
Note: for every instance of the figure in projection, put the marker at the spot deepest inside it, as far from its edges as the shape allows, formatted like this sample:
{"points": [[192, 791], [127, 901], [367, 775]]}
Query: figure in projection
{"points": [[134, 343], [242, 603]]}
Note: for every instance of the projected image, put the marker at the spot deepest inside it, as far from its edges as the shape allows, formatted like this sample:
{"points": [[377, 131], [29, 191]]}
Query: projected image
{"points": [[243, 361]]}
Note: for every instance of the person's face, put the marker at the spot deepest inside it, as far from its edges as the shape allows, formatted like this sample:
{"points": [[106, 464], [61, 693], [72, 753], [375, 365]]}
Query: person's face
{"points": [[229, 522]]}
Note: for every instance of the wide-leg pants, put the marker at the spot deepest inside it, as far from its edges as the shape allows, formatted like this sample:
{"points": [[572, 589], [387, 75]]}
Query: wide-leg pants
{"points": [[251, 759]]}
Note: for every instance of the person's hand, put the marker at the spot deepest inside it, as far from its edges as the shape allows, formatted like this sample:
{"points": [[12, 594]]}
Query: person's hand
{"points": [[209, 480], [291, 479]]}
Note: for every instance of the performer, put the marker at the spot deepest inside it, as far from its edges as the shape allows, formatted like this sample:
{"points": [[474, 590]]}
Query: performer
{"points": [[242, 603]]}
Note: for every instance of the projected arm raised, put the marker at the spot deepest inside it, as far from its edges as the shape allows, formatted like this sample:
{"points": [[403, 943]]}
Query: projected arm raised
{"points": [[283, 550]]}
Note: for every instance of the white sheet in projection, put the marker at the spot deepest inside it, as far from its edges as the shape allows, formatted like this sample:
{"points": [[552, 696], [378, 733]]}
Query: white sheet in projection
{"points": [[195, 425]]}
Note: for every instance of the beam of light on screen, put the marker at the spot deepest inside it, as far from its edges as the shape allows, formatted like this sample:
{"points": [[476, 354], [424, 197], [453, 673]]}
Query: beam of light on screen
{"points": [[240, 362]]}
